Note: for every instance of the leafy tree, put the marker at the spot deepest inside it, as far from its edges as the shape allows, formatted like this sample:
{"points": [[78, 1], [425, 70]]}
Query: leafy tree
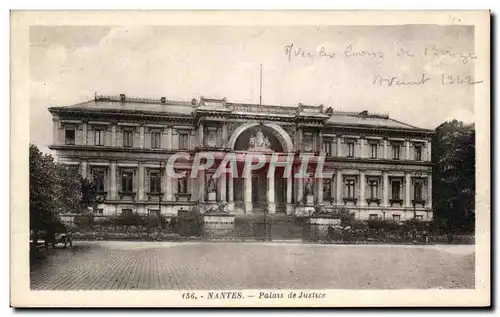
{"points": [[454, 175], [55, 188]]}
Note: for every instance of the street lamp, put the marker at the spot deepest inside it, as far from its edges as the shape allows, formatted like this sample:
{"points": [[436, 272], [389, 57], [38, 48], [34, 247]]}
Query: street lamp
{"points": [[418, 174]]}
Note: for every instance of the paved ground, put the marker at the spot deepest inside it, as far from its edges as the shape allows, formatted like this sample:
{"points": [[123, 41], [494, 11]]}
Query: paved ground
{"points": [[197, 265]]}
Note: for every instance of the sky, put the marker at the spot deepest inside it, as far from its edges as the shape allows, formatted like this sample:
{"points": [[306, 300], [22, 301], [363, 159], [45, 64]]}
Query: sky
{"points": [[348, 68]]}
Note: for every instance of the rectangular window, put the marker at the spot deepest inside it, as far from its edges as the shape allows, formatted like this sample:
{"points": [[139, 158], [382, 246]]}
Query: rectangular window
{"points": [[418, 153], [373, 150], [327, 189], [128, 138], [154, 212], [327, 148], [350, 149], [373, 217], [419, 217], [182, 185], [418, 191], [127, 182], [350, 188], [98, 180], [155, 183], [98, 136], [69, 136], [373, 189], [100, 211], [396, 186], [395, 152], [127, 212], [183, 141], [155, 140], [396, 218]]}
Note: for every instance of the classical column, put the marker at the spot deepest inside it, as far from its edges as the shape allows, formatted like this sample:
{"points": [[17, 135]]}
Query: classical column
{"points": [[407, 190], [113, 135], [55, 138], [407, 147], [271, 205], [141, 136], [141, 181], [200, 135], [385, 149], [339, 187], [429, 152], [248, 190], [429, 191], [230, 189], [385, 201], [319, 191], [300, 189], [201, 185], [339, 145], [222, 187], [362, 185], [289, 207], [300, 137], [169, 138], [113, 180], [168, 186], [83, 168], [85, 133], [319, 146], [362, 147], [224, 135]]}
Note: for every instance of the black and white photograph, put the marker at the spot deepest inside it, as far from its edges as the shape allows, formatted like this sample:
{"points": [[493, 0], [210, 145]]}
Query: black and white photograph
{"points": [[232, 161]]}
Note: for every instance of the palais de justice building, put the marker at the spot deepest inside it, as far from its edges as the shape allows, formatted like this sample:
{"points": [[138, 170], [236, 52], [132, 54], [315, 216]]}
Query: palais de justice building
{"points": [[380, 166]]}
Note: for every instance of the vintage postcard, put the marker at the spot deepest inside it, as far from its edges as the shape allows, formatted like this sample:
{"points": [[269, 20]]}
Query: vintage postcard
{"points": [[250, 159]]}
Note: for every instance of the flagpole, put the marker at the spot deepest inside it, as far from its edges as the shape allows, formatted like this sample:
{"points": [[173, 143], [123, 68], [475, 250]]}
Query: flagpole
{"points": [[260, 87]]}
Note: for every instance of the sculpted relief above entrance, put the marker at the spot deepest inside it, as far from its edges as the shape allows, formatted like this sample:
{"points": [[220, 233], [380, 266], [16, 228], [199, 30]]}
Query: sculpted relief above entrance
{"points": [[259, 143]]}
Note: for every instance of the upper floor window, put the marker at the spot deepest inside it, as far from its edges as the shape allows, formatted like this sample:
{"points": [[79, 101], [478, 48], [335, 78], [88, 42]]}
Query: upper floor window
{"points": [[418, 153], [373, 150], [396, 189], [182, 185], [155, 140], [128, 138], [417, 191], [373, 189], [98, 136], [155, 183], [69, 136], [327, 189], [350, 188], [327, 147], [127, 212], [350, 149], [98, 180], [183, 141], [127, 182], [396, 151]]}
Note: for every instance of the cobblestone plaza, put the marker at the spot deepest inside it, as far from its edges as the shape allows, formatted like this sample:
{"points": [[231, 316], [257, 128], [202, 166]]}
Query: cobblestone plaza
{"points": [[202, 265]]}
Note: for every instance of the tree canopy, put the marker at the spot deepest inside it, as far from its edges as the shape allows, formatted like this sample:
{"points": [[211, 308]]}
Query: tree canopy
{"points": [[453, 153]]}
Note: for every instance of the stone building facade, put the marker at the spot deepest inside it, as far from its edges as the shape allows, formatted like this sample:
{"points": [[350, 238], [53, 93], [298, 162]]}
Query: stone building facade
{"points": [[380, 167]]}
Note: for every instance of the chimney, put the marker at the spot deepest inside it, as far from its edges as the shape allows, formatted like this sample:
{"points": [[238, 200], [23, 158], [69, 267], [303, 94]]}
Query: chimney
{"points": [[122, 97], [163, 100]]}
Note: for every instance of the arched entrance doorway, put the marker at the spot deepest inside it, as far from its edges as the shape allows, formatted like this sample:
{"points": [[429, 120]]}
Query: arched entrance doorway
{"points": [[258, 193]]}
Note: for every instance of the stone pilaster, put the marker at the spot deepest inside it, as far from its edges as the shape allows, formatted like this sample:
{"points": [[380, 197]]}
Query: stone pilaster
{"points": [[169, 138], [429, 150], [385, 196], [222, 187], [385, 149], [141, 181], [319, 191], [407, 148], [113, 135], [362, 186], [289, 193], [362, 142], [200, 135], [429, 191], [230, 189], [407, 202], [112, 186], [271, 205], [248, 191], [339, 187], [339, 146], [141, 136], [84, 133]]}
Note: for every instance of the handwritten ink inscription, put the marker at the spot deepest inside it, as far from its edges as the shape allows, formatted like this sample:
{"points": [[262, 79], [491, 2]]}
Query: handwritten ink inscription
{"points": [[427, 53]]}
